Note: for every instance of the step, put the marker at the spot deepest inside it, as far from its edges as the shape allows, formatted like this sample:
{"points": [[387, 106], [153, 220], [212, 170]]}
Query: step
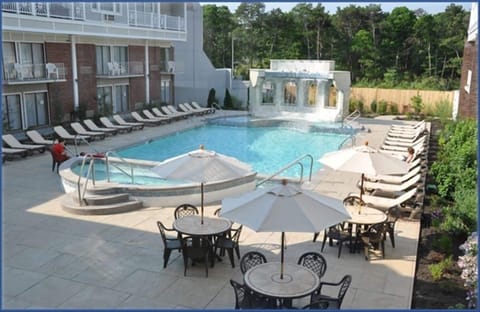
{"points": [[70, 205], [103, 199]]}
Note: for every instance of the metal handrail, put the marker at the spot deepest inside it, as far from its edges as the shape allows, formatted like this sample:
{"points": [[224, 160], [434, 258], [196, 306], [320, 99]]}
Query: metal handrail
{"points": [[351, 137], [289, 165], [107, 165], [352, 117], [91, 171]]}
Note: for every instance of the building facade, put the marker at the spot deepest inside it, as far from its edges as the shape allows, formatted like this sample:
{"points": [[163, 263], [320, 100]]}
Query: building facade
{"points": [[68, 60]]}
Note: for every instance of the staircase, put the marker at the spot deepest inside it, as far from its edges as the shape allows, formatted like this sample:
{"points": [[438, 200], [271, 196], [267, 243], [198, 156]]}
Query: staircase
{"points": [[100, 202]]}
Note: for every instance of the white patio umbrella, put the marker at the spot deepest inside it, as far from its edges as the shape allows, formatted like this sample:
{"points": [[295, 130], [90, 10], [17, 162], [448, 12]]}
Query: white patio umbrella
{"points": [[284, 208], [365, 160], [202, 166]]}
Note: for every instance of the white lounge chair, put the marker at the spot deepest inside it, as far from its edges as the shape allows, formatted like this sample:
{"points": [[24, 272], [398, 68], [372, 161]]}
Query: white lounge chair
{"points": [[200, 110], [188, 109], [37, 138], [409, 126], [384, 203], [7, 153], [122, 122], [11, 141], [389, 187], [170, 113], [71, 138], [176, 111], [150, 115], [395, 179], [418, 147], [210, 110], [159, 113], [79, 129], [406, 134], [403, 143], [92, 126], [149, 122], [107, 123]]}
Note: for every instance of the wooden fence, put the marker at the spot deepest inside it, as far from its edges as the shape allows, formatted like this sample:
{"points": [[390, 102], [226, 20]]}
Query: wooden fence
{"points": [[400, 98]]}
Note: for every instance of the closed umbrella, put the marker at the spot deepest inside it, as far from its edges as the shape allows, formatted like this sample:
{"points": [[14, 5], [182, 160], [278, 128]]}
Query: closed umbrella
{"points": [[284, 208], [202, 166], [365, 160]]}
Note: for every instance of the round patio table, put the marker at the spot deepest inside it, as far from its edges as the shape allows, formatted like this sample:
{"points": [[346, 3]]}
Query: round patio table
{"points": [[191, 225], [298, 281]]}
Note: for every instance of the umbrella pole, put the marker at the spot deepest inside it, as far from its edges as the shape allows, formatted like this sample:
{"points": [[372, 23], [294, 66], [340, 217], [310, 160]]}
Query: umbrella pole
{"points": [[201, 190], [281, 255], [361, 186]]}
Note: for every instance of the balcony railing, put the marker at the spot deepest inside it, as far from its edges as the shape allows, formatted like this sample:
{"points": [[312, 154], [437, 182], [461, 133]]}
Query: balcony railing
{"points": [[122, 69], [82, 11], [15, 72]]}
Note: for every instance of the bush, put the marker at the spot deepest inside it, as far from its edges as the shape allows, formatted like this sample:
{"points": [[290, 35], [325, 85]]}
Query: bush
{"points": [[373, 106], [394, 109], [443, 110], [438, 269], [227, 101], [443, 243], [461, 218], [469, 265], [211, 98], [382, 107], [417, 104]]}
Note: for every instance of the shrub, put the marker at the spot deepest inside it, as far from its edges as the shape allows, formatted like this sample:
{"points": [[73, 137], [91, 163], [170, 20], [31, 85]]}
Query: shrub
{"points": [[394, 109], [461, 218], [382, 107], [227, 101], [443, 110], [211, 97], [443, 243], [469, 265], [438, 269], [373, 106], [417, 104]]}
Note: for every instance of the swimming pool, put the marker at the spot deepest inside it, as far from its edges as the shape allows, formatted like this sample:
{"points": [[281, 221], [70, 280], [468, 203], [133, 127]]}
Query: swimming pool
{"points": [[266, 149]]}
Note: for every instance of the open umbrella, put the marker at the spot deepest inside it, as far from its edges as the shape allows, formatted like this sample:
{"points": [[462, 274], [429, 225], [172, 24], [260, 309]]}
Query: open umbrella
{"points": [[284, 208], [365, 160], [202, 166]]}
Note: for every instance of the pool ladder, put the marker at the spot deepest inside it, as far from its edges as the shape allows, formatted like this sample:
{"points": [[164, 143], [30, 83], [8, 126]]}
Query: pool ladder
{"points": [[289, 165]]}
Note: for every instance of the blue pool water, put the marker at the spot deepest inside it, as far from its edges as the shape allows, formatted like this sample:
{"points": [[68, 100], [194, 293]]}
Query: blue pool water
{"points": [[266, 149]]}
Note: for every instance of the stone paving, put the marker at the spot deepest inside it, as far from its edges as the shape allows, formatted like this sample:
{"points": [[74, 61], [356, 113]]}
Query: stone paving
{"points": [[53, 259]]}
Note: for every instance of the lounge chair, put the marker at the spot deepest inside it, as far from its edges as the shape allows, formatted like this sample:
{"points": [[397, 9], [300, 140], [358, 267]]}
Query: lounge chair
{"points": [[70, 138], [92, 126], [150, 115], [122, 122], [394, 179], [79, 129], [388, 187], [198, 109], [384, 203], [11, 141], [209, 110], [159, 113], [409, 126], [37, 138], [388, 141], [419, 147], [148, 122], [170, 113], [175, 111], [406, 134], [8, 153], [107, 123], [188, 109]]}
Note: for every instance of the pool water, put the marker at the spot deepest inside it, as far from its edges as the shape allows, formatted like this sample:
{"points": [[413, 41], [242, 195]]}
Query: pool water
{"points": [[266, 149]]}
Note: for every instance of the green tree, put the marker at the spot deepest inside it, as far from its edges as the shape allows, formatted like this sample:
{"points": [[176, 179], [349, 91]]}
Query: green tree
{"points": [[217, 24]]}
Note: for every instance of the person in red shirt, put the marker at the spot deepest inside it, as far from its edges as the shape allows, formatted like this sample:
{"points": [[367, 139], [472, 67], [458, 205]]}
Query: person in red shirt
{"points": [[58, 151]]}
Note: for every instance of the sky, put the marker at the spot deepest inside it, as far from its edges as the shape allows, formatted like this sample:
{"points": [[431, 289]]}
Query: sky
{"points": [[331, 7]]}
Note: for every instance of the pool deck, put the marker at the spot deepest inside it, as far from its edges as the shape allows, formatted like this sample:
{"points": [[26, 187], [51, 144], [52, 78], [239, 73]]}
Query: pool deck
{"points": [[53, 259]]}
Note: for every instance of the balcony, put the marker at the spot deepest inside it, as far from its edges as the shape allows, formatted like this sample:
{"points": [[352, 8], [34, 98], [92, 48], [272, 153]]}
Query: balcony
{"points": [[15, 73], [122, 69]]}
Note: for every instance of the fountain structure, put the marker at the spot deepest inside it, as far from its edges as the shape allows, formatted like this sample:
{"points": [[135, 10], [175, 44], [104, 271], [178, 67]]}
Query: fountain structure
{"points": [[300, 89]]}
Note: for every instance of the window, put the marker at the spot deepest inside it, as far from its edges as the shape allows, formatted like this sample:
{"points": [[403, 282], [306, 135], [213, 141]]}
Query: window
{"points": [[166, 91], [8, 51], [36, 110], [121, 99], [332, 96], [166, 55], [312, 94], [107, 8], [32, 60], [290, 93], [469, 81], [112, 61], [104, 100], [268, 92], [11, 112]]}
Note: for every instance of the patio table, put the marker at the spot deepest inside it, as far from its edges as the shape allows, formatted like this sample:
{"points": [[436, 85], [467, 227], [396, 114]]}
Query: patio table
{"points": [[298, 281]]}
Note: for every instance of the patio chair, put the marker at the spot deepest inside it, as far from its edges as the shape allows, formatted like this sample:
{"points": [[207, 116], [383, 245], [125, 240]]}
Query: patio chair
{"points": [[162, 119], [12, 142], [79, 129], [122, 122], [52, 70], [251, 259], [196, 249], [392, 216], [185, 210], [209, 110], [37, 138], [405, 142], [337, 233], [317, 305], [188, 109], [247, 299], [200, 110], [107, 123], [419, 148], [315, 262], [92, 126], [396, 179], [169, 244], [374, 237], [170, 111], [159, 113], [61, 132], [148, 122], [229, 243], [406, 134], [175, 111], [334, 303]]}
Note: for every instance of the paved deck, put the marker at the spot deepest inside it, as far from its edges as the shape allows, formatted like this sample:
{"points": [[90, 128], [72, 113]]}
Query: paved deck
{"points": [[52, 259]]}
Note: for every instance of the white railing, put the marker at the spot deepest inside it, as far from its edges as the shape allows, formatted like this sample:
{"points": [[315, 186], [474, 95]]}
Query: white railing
{"points": [[33, 72], [114, 69]]}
